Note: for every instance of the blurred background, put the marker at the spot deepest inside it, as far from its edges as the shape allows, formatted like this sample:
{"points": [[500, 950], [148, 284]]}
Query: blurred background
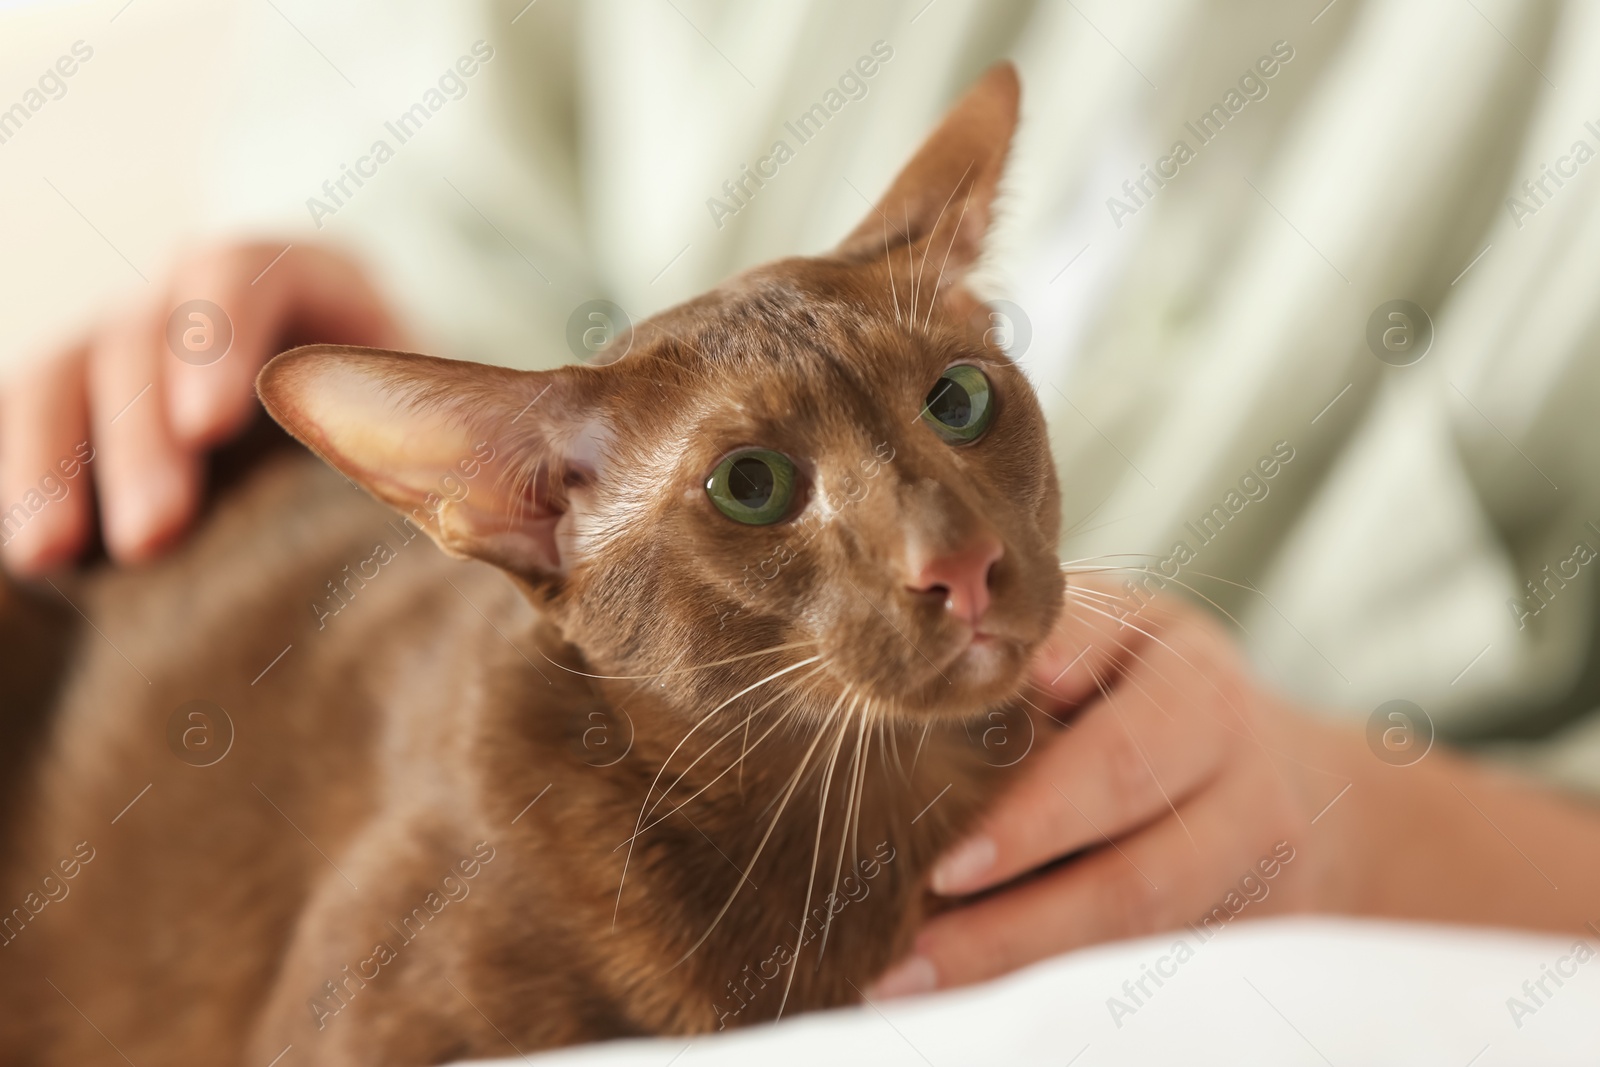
{"points": [[131, 143], [1352, 244]]}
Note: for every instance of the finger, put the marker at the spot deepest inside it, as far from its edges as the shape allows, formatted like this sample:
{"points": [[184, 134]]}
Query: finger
{"points": [[257, 297], [44, 444], [1155, 879], [1092, 641], [148, 485], [1154, 736]]}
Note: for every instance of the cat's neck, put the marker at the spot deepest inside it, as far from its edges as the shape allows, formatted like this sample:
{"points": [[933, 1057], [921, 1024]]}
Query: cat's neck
{"points": [[756, 838]]}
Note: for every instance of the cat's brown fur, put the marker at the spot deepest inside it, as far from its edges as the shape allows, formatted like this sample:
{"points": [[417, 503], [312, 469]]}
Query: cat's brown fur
{"points": [[473, 753]]}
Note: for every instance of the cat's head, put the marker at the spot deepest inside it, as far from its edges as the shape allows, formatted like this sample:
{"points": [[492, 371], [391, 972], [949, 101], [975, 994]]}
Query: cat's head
{"points": [[825, 456]]}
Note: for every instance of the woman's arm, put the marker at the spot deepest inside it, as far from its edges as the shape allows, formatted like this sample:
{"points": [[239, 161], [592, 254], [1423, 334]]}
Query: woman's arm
{"points": [[1191, 794]]}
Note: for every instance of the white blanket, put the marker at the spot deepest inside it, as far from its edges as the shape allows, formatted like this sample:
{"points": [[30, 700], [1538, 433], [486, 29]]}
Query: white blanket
{"points": [[1318, 992]]}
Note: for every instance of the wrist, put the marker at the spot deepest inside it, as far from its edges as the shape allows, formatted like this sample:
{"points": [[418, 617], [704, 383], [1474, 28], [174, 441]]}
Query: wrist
{"points": [[1451, 839]]}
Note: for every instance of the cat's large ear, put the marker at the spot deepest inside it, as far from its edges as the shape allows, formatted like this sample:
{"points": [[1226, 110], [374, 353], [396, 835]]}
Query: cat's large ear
{"points": [[942, 201], [484, 459]]}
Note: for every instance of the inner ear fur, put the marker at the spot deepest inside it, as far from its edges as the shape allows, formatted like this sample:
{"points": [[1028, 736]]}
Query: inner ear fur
{"points": [[476, 456]]}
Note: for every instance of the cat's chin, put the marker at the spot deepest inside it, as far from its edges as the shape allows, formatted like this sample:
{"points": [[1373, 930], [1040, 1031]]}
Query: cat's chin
{"points": [[988, 658], [990, 668], [987, 671]]}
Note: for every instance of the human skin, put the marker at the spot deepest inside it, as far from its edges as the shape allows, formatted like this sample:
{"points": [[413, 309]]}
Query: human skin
{"points": [[1179, 771], [150, 416]]}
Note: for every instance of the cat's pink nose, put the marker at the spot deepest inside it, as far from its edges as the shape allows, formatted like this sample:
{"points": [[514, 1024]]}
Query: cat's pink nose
{"points": [[962, 578]]}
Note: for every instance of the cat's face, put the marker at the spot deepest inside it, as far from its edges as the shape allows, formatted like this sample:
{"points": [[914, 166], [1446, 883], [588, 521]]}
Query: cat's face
{"points": [[824, 466], [802, 465]]}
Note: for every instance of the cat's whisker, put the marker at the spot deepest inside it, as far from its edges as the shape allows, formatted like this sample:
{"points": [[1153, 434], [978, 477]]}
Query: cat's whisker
{"points": [[653, 823], [920, 742], [1069, 563], [1091, 513], [1131, 680], [877, 728], [927, 244], [948, 249], [721, 774], [894, 294], [1083, 595], [891, 746], [1100, 607], [883, 740], [747, 689], [1071, 567], [1087, 606], [1223, 611], [644, 683], [844, 827], [1092, 596], [911, 269], [1084, 590], [860, 794], [680, 670], [1176, 581], [668, 761], [1037, 688], [673, 667], [1142, 756], [894, 744], [816, 852], [861, 788], [788, 792], [706, 752], [1040, 710], [744, 748], [1089, 564], [1242, 734], [744, 745], [1247, 734]]}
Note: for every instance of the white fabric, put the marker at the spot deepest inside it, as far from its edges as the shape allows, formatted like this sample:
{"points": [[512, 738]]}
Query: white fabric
{"points": [[1276, 993]]}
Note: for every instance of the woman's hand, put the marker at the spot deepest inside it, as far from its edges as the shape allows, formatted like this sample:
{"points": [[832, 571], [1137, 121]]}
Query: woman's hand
{"points": [[1184, 792], [1172, 779], [136, 403]]}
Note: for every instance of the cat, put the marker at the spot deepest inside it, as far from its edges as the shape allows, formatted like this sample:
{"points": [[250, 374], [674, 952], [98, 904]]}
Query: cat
{"points": [[664, 740]]}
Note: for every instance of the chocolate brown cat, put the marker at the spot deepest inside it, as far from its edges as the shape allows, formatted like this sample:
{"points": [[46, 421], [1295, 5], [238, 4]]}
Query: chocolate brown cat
{"points": [[663, 741]]}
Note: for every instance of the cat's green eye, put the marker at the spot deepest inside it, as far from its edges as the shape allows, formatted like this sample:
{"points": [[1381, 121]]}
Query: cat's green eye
{"points": [[753, 485], [960, 405]]}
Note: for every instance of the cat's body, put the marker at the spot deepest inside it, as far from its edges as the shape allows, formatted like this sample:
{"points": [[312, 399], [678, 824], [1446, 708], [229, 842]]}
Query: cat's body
{"points": [[397, 737], [412, 846]]}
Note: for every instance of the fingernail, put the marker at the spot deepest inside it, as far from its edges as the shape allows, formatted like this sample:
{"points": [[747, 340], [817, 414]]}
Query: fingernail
{"points": [[964, 866], [907, 979]]}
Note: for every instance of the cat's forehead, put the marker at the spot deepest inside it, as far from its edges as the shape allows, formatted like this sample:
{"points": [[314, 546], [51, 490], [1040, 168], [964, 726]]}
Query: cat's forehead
{"points": [[798, 328], [815, 358]]}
